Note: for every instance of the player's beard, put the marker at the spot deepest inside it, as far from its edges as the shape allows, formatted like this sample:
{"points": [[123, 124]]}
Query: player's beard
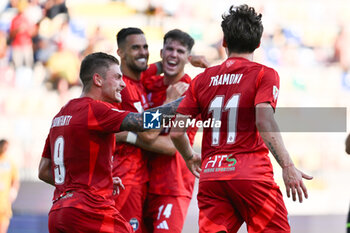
{"points": [[133, 66], [137, 68]]}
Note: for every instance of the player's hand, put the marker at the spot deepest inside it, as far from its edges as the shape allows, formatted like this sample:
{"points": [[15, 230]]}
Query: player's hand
{"points": [[194, 164], [175, 91], [293, 180], [121, 136], [117, 185], [199, 61]]}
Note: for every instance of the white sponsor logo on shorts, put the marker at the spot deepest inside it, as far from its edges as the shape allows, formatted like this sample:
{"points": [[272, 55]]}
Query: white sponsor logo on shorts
{"points": [[163, 225]]}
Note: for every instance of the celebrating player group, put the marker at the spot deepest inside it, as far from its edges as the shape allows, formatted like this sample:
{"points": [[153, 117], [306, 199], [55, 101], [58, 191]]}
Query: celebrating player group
{"points": [[114, 174]]}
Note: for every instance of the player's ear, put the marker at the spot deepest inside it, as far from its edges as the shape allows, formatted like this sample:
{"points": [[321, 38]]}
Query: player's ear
{"points": [[119, 52], [161, 53], [189, 57], [97, 79], [224, 44]]}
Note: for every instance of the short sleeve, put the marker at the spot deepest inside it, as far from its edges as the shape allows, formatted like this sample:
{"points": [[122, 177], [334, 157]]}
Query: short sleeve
{"points": [[105, 117], [267, 84], [189, 105], [47, 150]]}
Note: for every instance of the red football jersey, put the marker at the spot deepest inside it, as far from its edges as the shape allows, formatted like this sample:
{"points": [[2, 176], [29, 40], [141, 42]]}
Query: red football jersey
{"points": [[130, 162], [168, 175], [229, 92], [80, 145]]}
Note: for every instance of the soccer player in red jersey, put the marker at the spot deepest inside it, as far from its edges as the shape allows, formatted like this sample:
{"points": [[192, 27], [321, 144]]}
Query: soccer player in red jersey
{"points": [[236, 177], [130, 161], [77, 157], [171, 183]]}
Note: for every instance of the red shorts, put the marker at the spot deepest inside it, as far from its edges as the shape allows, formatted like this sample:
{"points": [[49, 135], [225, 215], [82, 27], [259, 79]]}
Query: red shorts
{"points": [[75, 220], [165, 213], [130, 204], [225, 205]]}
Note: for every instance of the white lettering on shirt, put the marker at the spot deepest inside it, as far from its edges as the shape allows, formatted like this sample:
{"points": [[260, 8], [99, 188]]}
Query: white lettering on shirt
{"points": [[61, 121], [225, 79]]}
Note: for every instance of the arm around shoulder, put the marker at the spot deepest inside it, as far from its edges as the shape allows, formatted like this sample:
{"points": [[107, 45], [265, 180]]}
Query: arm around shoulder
{"points": [[160, 144]]}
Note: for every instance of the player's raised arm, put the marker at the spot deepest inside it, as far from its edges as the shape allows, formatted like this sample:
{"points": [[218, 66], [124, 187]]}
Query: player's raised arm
{"points": [[158, 144], [180, 139], [270, 133], [198, 61]]}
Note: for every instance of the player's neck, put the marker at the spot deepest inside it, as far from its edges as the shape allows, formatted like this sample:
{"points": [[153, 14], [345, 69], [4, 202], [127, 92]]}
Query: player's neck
{"points": [[132, 74], [172, 80], [92, 93], [248, 56]]}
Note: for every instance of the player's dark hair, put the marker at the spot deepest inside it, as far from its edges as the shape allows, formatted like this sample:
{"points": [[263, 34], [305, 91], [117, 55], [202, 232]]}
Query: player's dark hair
{"points": [[95, 63], [178, 35], [125, 32], [2, 143], [242, 29]]}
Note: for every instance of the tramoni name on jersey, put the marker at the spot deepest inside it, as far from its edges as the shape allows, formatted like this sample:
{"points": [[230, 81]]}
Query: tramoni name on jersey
{"points": [[225, 79]]}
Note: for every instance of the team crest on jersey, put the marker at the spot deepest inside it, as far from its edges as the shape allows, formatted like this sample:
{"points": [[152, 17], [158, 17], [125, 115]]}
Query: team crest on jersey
{"points": [[134, 223], [275, 92], [229, 63]]}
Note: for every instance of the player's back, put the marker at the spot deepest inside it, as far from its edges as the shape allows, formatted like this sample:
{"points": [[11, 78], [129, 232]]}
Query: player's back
{"points": [[229, 93], [81, 142]]}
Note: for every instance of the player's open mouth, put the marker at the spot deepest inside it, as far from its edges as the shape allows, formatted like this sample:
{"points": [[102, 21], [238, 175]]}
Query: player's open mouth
{"points": [[141, 60], [171, 64]]}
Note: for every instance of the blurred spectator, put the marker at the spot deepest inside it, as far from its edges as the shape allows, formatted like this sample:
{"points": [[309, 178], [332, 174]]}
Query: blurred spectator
{"points": [[9, 184], [3, 5], [3, 49], [63, 67], [55, 7], [34, 12], [21, 32], [43, 49], [342, 48], [6, 71], [155, 13], [98, 42], [342, 54], [13, 3]]}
